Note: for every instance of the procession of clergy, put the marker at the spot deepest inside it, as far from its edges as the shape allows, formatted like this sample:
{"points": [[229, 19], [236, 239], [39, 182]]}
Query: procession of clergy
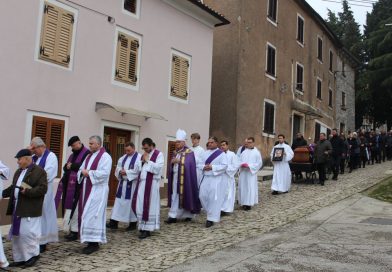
{"points": [[197, 180]]}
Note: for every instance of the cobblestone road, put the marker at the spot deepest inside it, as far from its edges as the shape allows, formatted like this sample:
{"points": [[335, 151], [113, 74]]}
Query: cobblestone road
{"points": [[180, 242]]}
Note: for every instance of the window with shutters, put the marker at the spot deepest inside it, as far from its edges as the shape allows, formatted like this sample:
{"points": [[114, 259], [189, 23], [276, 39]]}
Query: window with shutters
{"points": [[126, 70], [171, 147], [343, 100], [52, 133], [320, 49], [180, 75], [300, 77], [272, 10], [271, 60], [300, 29], [131, 7], [319, 88], [330, 98], [57, 31], [269, 117]]}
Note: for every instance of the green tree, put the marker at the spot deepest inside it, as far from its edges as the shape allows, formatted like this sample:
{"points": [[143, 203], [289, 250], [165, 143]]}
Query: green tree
{"points": [[377, 79]]}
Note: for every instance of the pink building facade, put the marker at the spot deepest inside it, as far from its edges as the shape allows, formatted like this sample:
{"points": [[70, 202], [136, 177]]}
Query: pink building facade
{"points": [[82, 93]]}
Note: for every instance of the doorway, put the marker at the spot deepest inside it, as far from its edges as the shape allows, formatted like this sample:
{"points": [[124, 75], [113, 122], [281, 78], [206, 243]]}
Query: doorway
{"points": [[114, 142]]}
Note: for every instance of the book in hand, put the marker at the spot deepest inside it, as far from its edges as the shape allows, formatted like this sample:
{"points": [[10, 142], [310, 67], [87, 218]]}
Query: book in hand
{"points": [[24, 185], [278, 154]]}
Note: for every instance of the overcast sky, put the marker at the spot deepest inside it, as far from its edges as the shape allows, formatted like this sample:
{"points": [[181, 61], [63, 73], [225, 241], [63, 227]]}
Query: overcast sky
{"points": [[359, 7]]}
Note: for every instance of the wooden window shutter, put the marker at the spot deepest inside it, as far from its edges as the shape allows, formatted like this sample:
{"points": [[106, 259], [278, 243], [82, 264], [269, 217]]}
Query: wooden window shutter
{"points": [[130, 5], [52, 133], [179, 77], [56, 35], [171, 147], [127, 59]]}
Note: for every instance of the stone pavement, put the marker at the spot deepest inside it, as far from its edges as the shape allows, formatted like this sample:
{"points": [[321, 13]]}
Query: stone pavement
{"points": [[354, 234], [181, 242]]}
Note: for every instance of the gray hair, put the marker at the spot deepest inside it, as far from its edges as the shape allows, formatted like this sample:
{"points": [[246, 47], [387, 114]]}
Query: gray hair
{"points": [[37, 141], [97, 138]]}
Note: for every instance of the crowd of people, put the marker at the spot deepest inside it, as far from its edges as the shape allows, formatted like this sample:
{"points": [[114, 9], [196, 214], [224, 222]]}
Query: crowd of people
{"points": [[198, 180]]}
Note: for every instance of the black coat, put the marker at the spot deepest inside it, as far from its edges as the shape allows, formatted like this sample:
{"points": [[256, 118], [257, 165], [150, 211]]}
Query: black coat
{"points": [[337, 146], [298, 142], [30, 203]]}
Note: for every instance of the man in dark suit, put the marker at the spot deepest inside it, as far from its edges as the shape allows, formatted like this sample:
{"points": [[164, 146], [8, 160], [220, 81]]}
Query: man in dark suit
{"points": [[26, 194]]}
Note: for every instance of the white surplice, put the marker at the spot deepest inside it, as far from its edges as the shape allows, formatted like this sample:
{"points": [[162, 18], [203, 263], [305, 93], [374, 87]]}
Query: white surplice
{"points": [[198, 151], [5, 174], [232, 168], [93, 225], [122, 207], [49, 231], [26, 244], [153, 222], [213, 185], [281, 180], [248, 192]]}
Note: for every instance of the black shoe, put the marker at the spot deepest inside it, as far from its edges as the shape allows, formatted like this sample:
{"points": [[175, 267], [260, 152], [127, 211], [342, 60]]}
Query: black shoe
{"points": [[274, 193], [16, 264], [90, 248], [349, 171], [72, 236], [144, 234], [171, 220], [188, 219], [335, 178], [224, 213], [209, 224], [248, 208], [131, 226], [42, 248], [31, 261], [285, 192], [322, 183], [113, 224]]}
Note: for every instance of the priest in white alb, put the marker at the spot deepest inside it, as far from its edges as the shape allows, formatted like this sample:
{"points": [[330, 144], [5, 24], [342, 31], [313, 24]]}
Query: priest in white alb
{"points": [[233, 165], [281, 154], [146, 202], [127, 172], [93, 179], [213, 183], [198, 150], [47, 160], [251, 162]]}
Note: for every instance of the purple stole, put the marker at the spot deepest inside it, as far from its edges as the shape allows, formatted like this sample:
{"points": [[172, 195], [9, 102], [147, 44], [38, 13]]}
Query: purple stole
{"points": [[72, 179], [16, 220], [42, 162], [147, 190], [89, 185], [129, 184], [213, 156]]}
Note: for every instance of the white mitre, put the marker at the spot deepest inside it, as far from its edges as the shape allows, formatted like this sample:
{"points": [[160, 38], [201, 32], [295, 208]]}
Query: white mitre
{"points": [[180, 135]]}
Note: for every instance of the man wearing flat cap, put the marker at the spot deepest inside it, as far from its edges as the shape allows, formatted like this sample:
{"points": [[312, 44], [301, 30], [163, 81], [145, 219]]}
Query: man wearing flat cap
{"points": [[67, 190], [27, 194]]}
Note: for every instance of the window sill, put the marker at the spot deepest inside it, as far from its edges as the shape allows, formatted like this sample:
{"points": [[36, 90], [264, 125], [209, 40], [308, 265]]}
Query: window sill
{"points": [[330, 107], [300, 44], [319, 99], [344, 108], [272, 136], [319, 60], [272, 21], [299, 92], [270, 76]]}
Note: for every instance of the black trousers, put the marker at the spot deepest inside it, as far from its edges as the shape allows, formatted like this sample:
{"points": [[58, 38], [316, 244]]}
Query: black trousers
{"points": [[335, 164], [321, 172], [342, 164]]}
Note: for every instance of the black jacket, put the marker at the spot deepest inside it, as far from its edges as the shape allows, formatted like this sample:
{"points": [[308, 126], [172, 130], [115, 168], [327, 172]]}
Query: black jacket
{"points": [[337, 146], [299, 142]]}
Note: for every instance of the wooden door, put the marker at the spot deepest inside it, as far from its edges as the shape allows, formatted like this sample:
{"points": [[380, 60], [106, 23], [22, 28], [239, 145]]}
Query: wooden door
{"points": [[114, 142]]}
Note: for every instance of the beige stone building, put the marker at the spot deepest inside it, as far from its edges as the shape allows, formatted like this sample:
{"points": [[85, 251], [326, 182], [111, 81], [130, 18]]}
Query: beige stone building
{"points": [[274, 71]]}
